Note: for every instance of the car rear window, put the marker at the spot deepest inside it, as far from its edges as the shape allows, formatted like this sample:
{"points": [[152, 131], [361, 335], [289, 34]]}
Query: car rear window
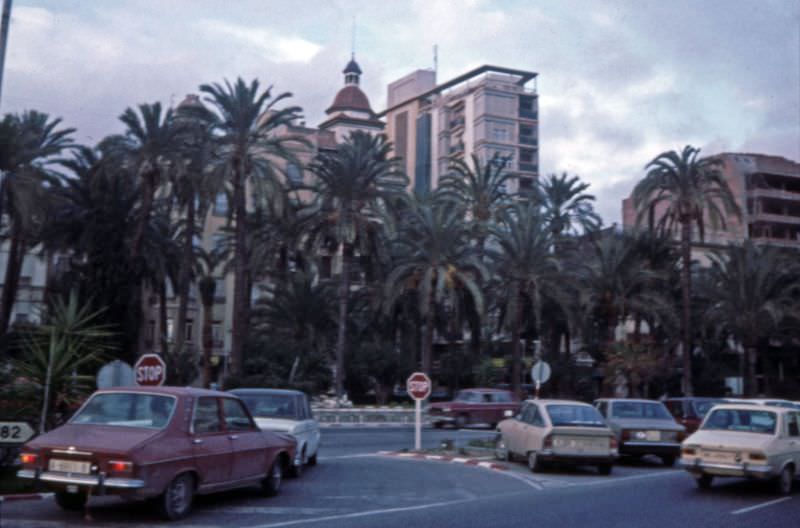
{"points": [[744, 420], [643, 410], [577, 415], [127, 409], [268, 405], [703, 406]]}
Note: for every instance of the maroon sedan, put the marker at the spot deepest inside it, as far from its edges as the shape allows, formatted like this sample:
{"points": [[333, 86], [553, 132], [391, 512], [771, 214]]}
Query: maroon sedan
{"points": [[473, 406], [162, 442]]}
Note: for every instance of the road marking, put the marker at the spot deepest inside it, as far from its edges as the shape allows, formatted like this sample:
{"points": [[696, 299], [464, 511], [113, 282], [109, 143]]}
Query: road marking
{"points": [[276, 510], [532, 483], [364, 514], [612, 480], [359, 455], [758, 506]]}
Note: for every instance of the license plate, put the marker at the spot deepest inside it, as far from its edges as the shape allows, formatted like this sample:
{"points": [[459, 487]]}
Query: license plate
{"points": [[718, 456], [653, 436], [69, 466]]}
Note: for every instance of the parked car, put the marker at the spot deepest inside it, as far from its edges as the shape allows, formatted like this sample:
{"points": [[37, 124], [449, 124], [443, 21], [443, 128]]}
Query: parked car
{"points": [[643, 427], [689, 411], [774, 402], [748, 441], [167, 443], [548, 431], [474, 406], [285, 411]]}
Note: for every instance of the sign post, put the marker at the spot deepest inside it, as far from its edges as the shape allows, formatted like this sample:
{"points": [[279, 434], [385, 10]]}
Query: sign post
{"points": [[150, 370], [540, 373], [418, 387]]}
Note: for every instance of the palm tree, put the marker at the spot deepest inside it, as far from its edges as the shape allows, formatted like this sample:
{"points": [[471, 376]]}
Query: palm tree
{"points": [[480, 189], [751, 291], [528, 269], [692, 192], [206, 264], [566, 206], [354, 186], [245, 121], [29, 143], [436, 261]]}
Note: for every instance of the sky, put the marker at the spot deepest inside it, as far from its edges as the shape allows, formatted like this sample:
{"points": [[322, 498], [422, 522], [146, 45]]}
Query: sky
{"points": [[619, 81]]}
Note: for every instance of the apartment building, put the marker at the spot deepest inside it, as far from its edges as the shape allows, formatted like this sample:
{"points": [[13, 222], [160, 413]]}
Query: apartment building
{"points": [[767, 190], [486, 111]]}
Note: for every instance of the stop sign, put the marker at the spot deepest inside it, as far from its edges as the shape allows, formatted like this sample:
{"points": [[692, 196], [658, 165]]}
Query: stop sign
{"points": [[418, 386], [150, 370]]}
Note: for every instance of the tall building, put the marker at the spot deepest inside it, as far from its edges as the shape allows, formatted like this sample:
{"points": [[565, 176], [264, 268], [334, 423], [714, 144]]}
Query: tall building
{"points": [[486, 111], [767, 190]]}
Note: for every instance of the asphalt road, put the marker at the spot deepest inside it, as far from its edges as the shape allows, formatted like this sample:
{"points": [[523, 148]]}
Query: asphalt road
{"points": [[353, 487]]}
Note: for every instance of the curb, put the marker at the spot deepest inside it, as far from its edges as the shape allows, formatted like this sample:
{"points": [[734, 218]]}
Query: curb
{"points": [[24, 497], [447, 458]]}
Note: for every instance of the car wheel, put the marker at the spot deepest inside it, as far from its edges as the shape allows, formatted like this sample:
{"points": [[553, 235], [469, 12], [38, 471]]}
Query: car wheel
{"points": [[312, 460], [176, 501], [461, 421], [535, 464], [704, 481], [783, 484], [272, 482], [500, 450], [71, 501], [604, 469], [437, 425], [296, 470], [668, 460]]}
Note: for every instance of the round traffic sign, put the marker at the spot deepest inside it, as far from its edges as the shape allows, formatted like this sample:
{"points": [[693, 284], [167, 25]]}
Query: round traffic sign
{"points": [[418, 386], [150, 370], [540, 372], [115, 374]]}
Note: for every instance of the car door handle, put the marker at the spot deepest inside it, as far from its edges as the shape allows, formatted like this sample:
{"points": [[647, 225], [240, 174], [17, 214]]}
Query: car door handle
{"points": [[233, 437], [197, 441]]}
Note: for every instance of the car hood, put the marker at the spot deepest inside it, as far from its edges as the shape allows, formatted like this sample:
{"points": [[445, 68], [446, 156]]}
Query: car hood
{"points": [[94, 438], [275, 424], [729, 439], [638, 423]]}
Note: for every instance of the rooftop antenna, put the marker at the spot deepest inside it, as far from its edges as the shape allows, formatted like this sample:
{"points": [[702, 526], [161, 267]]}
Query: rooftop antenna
{"points": [[353, 43], [435, 58]]}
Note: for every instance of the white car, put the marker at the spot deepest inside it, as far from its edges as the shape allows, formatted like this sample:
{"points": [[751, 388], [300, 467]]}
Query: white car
{"points": [[285, 411], [747, 441]]}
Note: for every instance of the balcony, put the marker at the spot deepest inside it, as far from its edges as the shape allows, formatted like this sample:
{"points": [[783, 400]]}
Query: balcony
{"points": [[529, 140], [457, 122], [527, 166], [774, 193], [775, 218], [528, 113]]}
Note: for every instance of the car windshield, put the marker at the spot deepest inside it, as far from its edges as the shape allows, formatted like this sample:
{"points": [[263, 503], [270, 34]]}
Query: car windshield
{"points": [[701, 407], [127, 409], [578, 415], [271, 405], [641, 410], [745, 420]]}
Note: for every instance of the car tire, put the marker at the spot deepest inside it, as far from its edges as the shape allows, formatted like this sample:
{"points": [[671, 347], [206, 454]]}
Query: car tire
{"points": [[176, 501], [312, 460], [604, 469], [437, 425], [71, 501], [271, 485], [704, 481], [668, 460], [296, 470], [783, 484], [535, 463], [461, 421]]}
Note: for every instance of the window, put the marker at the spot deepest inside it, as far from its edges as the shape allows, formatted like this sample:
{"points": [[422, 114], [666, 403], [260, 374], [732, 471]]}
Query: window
{"points": [[221, 204], [206, 416], [236, 418], [189, 330], [644, 410], [500, 134], [127, 410], [602, 407], [793, 424], [170, 329], [216, 334]]}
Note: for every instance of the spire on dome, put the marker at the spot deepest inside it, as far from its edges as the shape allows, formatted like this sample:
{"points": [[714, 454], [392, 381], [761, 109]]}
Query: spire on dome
{"points": [[352, 71]]}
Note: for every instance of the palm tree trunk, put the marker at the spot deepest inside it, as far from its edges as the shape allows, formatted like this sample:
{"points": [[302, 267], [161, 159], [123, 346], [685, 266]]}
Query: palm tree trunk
{"points": [[240, 293], [16, 255], [686, 284], [751, 389], [516, 353], [427, 341], [162, 316], [208, 342], [341, 336], [184, 279]]}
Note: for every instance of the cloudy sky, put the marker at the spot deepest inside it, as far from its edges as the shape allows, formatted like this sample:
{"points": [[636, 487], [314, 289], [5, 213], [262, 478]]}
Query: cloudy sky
{"points": [[619, 81]]}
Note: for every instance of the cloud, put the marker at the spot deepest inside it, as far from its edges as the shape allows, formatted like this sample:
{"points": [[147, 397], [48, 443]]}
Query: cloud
{"points": [[278, 48]]}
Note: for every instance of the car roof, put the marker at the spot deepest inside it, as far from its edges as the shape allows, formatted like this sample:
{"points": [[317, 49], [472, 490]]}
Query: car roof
{"points": [[167, 390], [557, 402], [696, 398], [255, 390], [635, 400], [751, 407]]}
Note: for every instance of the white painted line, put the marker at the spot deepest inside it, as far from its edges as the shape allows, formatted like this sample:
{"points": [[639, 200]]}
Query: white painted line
{"points": [[529, 482], [612, 480], [759, 506], [434, 457], [276, 510], [460, 460], [364, 514]]}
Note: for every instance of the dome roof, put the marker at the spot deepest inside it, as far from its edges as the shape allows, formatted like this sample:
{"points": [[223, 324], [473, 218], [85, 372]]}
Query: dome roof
{"points": [[350, 98], [352, 67]]}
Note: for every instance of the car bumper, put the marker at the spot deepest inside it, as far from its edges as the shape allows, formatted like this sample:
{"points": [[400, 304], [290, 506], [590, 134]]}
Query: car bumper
{"points": [[100, 482], [577, 459], [699, 467], [650, 448]]}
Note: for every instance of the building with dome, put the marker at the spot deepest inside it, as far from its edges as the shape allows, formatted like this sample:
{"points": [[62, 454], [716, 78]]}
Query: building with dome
{"points": [[351, 110]]}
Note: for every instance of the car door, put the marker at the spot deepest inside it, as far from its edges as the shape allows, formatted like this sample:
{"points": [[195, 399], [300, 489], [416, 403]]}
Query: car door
{"points": [[249, 450], [793, 437], [309, 425], [512, 430], [534, 429], [211, 447]]}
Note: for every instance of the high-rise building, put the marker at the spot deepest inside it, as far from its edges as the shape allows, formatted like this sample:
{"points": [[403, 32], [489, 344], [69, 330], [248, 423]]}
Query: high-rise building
{"points": [[486, 111], [767, 190]]}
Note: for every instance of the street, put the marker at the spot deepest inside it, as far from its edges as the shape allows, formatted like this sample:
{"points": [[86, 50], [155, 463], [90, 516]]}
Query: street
{"points": [[354, 486]]}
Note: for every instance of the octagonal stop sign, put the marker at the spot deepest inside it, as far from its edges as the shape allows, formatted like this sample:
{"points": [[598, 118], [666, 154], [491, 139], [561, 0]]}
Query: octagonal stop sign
{"points": [[150, 370], [418, 386]]}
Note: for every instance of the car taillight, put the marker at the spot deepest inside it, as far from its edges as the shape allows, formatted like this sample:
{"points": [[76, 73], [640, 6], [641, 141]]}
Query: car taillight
{"points": [[120, 466], [614, 444], [548, 442], [28, 458], [626, 435], [757, 456], [689, 451]]}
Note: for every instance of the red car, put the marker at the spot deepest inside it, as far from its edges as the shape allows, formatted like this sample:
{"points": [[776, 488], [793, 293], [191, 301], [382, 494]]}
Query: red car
{"points": [[690, 411], [162, 442], [474, 406]]}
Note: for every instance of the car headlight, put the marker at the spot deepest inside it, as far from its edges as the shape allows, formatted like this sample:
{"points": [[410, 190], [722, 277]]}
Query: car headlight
{"points": [[640, 435]]}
